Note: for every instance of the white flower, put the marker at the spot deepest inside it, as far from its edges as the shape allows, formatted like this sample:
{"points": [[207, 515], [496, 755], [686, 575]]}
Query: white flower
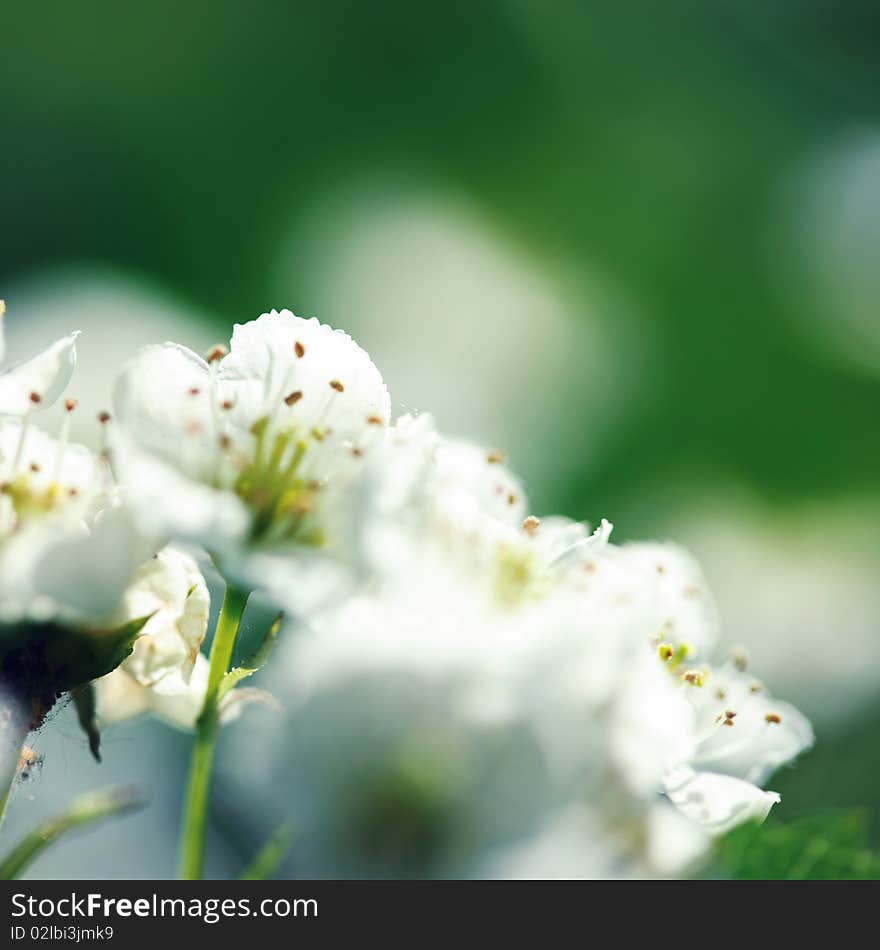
{"points": [[65, 551], [38, 382], [254, 453], [165, 674]]}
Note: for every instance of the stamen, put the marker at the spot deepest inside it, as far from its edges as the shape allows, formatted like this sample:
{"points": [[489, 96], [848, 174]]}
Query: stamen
{"points": [[299, 349], [755, 687], [773, 718], [70, 404], [661, 568], [694, 677], [666, 651], [494, 457], [293, 398], [375, 421], [35, 398], [335, 384], [217, 352], [104, 417], [194, 391], [34, 467], [511, 498], [740, 660], [531, 525], [227, 404]]}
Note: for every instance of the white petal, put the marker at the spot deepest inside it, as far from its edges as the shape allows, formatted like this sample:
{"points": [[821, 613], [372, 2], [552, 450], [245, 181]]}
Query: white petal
{"points": [[86, 575], [170, 589], [717, 802], [688, 611], [40, 381], [118, 697], [169, 504], [764, 733], [163, 399], [674, 843], [179, 703]]}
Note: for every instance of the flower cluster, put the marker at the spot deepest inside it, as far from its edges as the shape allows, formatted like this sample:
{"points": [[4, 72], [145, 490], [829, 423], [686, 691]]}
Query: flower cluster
{"points": [[482, 690]]}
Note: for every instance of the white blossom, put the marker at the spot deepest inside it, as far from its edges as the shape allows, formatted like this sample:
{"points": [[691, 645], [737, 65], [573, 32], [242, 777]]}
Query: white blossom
{"points": [[39, 382], [166, 674], [254, 453]]}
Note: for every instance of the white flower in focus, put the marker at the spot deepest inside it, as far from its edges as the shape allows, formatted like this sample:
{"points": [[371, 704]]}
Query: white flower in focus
{"points": [[253, 454], [743, 735], [38, 382]]}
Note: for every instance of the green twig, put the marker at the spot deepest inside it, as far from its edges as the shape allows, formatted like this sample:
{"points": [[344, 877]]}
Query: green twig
{"points": [[269, 857], [195, 814], [85, 810]]}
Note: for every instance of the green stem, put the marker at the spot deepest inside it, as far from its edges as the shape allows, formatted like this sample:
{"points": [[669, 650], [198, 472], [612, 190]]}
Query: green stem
{"points": [[85, 810], [195, 814]]}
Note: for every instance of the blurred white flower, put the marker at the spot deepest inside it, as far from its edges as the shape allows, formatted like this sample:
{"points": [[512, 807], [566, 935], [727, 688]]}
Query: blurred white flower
{"points": [[597, 682], [38, 382], [252, 453]]}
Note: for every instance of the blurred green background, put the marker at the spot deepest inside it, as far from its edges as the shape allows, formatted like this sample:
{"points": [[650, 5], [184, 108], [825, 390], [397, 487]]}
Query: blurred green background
{"points": [[637, 244]]}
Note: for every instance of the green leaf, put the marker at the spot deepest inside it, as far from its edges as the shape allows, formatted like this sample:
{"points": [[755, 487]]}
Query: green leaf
{"points": [[826, 846], [84, 702], [268, 859], [254, 662], [83, 811]]}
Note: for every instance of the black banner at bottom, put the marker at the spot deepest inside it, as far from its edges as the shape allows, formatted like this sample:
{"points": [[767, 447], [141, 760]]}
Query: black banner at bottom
{"points": [[115, 913]]}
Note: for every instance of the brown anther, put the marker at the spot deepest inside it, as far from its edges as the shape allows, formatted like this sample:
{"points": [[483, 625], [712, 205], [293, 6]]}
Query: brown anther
{"points": [[721, 694], [661, 568], [727, 722], [293, 397], [225, 442], [494, 457], [299, 349], [194, 391], [336, 385], [227, 404], [357, 452], [773, 718], [35, 398], [730, 714], [375, 421], [739, 660], [104, 417], [531, 525], [34, 467], [217, 352], [73, 491], [70, 404], [511, 498]]}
